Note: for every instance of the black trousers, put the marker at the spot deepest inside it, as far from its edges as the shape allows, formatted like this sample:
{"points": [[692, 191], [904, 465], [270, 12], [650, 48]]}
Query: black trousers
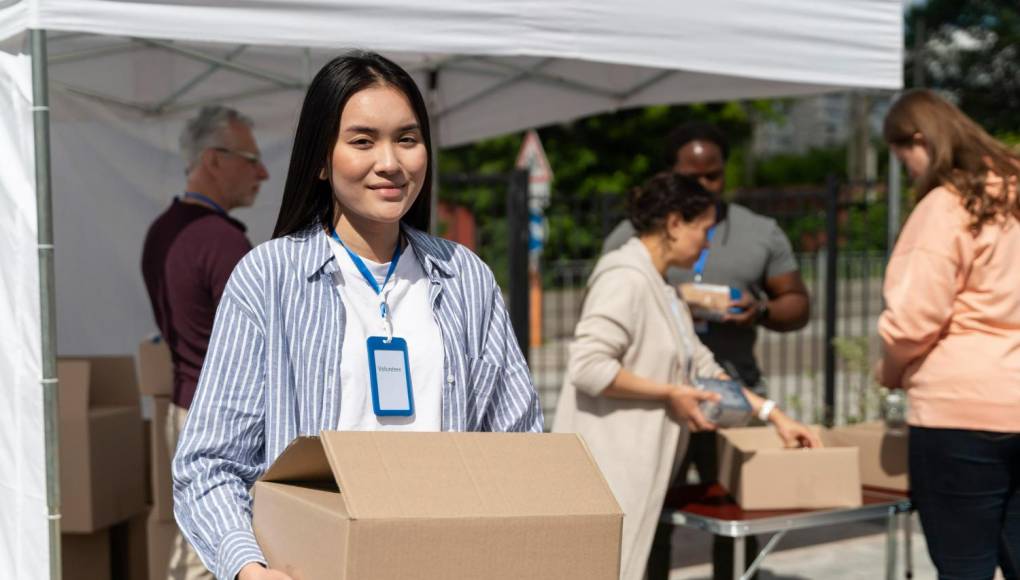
{"points": [[966, 487], [702, 454]]}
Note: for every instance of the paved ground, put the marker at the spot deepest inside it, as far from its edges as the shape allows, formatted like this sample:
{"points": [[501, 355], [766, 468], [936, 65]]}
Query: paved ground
{"points": [[854, 552]]}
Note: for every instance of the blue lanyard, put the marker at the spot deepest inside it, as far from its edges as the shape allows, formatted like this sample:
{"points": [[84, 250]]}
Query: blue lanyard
{"points": [[699, 266], [366, 273], [204, 199]]}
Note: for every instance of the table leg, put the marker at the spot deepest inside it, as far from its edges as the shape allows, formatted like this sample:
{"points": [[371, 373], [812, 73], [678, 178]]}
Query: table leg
{"points": [[890, 546], [908, 540], [752, 569], [738, 557]]}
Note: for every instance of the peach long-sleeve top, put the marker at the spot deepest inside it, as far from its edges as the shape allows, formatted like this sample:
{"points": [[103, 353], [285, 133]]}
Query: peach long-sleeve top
{"points": [[951, 327]]}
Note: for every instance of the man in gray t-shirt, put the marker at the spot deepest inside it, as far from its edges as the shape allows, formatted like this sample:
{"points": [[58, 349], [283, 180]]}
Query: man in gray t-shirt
{"points": [[748, 252]]}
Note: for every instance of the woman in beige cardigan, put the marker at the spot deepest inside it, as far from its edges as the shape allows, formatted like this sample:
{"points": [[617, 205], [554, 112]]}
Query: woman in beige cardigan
{"points": [[628, 387]]}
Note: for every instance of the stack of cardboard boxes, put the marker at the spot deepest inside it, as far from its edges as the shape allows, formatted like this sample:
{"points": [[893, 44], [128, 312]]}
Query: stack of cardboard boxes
{"points": [[102, 474], [155, 373]]}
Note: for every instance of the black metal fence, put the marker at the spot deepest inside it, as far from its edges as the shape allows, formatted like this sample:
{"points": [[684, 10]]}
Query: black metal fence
{"points": [[820, 373], [828, 361]]}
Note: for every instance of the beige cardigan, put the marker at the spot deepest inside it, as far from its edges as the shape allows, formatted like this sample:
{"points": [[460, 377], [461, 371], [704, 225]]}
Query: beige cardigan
{"points": [[628, 322]]}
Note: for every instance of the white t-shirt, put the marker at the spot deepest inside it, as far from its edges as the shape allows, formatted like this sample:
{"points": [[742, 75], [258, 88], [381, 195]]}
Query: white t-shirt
{"points": [[412, 317]]}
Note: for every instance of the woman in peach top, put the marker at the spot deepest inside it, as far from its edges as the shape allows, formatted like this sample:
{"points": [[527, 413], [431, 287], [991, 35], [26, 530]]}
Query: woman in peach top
{"points": [[951, 332]]}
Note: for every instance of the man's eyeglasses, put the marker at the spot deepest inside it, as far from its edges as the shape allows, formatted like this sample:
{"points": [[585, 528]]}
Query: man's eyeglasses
{"points": [[246, 155]]}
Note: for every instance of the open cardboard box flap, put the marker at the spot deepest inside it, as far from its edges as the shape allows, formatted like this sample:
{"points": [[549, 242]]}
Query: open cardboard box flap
{"points": [[385, 475]]}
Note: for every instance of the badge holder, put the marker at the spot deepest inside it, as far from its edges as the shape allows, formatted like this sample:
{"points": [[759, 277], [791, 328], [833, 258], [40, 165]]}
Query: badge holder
{"points": [[390, 373]]}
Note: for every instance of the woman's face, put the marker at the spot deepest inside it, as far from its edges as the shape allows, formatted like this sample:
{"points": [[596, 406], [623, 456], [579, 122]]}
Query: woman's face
{"points": [[688, 239], [913, 155], [379, 161]]}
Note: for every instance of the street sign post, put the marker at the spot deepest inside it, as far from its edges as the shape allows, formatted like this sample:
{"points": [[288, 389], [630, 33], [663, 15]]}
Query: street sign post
{"points": [[532, 157]]}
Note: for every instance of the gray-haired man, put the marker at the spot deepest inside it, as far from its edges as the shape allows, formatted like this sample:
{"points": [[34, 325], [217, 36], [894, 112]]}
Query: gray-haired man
{"points": [[189, 253]]}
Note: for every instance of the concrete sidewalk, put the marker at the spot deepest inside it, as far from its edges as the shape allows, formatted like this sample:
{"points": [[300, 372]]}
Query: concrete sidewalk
{"points": [[848, 552]]}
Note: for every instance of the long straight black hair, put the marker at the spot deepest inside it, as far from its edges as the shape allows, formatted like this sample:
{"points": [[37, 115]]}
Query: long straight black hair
{"points": [[308, 200]]}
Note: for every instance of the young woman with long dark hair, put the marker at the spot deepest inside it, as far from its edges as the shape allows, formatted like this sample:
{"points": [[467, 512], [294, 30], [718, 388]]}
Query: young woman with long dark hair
{"points": [[351, 318], [951, 335]]}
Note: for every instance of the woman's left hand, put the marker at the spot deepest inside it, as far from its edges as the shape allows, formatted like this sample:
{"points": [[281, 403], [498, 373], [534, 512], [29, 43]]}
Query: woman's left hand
{"points": [[793, 433]]}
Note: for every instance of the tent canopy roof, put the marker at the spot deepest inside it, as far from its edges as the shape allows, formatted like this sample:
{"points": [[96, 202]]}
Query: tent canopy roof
{"points": [[562, 59]]}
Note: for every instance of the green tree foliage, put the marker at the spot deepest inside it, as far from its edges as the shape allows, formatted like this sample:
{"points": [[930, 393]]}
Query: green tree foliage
{"points": [[595, 161], [971, 49], [810, 168]]}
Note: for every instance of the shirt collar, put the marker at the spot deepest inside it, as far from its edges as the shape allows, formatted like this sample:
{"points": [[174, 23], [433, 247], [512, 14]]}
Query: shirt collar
{"points": [[435, 258], [204, 210]]}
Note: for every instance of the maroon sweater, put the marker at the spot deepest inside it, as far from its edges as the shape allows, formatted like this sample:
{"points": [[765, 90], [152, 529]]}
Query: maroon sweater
{"points": [[188, 256]]}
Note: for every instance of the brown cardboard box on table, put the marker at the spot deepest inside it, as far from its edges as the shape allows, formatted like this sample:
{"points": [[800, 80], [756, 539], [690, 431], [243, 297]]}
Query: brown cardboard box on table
{"points": [[883, 453], [761, 474], [438, 506], [102, 473]]}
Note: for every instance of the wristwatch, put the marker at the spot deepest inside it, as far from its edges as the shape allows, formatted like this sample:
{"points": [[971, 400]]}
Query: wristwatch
{"points": [[762, 312]]}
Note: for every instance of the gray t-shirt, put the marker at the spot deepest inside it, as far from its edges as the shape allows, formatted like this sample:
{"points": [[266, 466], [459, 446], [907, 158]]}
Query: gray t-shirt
{"points": [[746, 249]]}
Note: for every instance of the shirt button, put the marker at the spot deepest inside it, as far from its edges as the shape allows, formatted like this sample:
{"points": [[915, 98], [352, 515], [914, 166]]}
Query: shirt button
{"points": [[449, 378]]}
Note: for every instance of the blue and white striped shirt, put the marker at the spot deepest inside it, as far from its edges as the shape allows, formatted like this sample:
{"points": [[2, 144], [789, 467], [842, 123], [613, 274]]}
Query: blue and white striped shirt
{"points": [[272, 373]]}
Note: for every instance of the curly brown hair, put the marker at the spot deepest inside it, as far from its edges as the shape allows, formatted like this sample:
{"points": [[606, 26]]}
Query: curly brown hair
{"points": [[961, 154], [648, 206]]}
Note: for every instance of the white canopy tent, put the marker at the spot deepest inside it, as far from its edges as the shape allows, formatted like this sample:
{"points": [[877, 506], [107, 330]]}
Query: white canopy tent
{"points": [[123, 76]]}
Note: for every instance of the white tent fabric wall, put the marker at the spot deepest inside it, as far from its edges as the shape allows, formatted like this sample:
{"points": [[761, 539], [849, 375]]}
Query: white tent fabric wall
{"points": [[111, 178], [23, 524]]}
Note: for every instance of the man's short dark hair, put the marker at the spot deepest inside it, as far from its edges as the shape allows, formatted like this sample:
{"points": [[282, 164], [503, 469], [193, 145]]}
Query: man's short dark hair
{"points": [[694, 131]]}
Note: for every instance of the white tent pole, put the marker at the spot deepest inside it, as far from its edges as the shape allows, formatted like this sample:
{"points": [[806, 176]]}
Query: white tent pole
{"points": [[47, 293]]}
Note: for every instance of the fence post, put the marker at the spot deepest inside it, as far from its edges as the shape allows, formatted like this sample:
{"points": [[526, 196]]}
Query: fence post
{"points": [[517, 240], [895, 201], [831, 249]]}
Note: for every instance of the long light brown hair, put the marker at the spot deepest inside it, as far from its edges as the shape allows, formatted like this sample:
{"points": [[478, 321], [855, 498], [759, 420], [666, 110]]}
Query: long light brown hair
{"points": [[961, 154]]}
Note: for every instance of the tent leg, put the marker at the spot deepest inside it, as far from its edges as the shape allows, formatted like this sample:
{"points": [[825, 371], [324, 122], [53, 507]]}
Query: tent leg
{"points": [[47, 294]]}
